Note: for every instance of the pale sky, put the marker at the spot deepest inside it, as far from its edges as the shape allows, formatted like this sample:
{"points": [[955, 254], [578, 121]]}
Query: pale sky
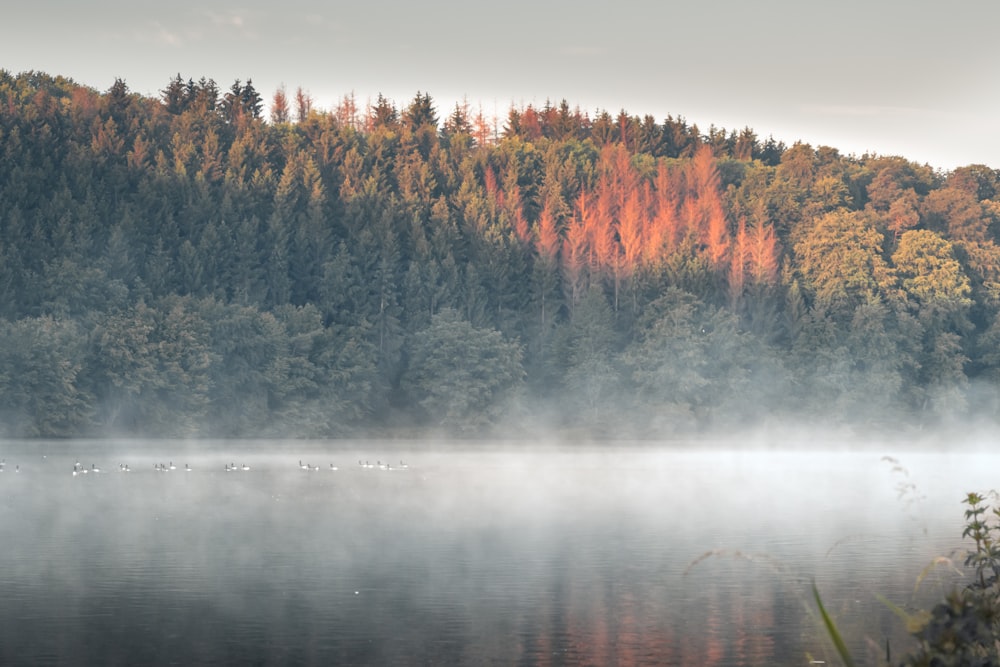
{"points": [[913, 78]]}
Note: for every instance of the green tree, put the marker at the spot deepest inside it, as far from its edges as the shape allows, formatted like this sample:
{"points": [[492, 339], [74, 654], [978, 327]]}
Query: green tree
{"points": [[938, 294], [179, 399], [943, 379], [462, 377], [694, 367], [41, 359], [326, 380], [248, 351], [123, 367], [592, 379], [883, 352]]}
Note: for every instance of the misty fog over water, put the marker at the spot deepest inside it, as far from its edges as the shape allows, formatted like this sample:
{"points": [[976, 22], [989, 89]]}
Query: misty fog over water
{"points": [[466, 553]]}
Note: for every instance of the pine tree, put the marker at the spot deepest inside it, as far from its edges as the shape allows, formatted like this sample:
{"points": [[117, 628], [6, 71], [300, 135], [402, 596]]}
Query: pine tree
{"points": [[175, 96], [279, 106]]}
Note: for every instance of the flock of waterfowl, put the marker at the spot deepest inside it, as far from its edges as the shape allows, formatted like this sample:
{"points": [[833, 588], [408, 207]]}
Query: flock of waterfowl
{"points": [[81, 469]]}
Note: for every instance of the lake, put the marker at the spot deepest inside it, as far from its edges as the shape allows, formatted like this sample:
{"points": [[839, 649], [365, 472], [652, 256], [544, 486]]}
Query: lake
{"points": [[467, 553]]}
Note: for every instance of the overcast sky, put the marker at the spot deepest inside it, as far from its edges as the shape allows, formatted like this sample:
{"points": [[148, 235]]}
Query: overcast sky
{"points": [[913, 78]]}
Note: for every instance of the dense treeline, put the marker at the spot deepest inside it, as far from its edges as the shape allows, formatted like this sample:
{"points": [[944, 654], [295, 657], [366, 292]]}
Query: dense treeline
{"points": [[184, 266]]}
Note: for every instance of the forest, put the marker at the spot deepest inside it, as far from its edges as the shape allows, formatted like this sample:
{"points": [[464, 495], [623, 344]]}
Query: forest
{"points": [[206, 263]]}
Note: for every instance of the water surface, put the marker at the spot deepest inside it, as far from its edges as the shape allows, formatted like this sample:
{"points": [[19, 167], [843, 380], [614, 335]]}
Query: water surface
{"points": [[473, 553]]}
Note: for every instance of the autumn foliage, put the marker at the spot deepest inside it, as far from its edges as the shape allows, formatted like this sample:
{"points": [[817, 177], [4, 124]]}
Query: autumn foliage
{"points": [[625, 223]]}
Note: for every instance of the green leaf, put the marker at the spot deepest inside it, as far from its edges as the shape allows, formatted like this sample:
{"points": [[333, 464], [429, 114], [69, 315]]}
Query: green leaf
{"points": [[831, 629]]}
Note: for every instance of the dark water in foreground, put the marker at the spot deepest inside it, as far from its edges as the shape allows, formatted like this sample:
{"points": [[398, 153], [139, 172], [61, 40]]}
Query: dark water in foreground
{"points": [[470, 555]]}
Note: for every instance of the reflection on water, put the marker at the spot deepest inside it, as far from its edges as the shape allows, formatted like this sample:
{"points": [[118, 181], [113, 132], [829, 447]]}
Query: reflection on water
{"points": [[469, 555]]}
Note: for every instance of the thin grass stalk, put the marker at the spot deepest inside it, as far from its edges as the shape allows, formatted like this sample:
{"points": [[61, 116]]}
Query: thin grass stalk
{"points": [[831, 628]]}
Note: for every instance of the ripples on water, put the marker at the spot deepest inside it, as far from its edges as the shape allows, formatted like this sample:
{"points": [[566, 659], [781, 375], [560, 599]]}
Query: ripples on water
{"points": [[471, 555]]}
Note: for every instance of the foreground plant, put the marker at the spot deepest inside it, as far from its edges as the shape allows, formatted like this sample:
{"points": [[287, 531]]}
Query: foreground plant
{"points": [[964, 628]]}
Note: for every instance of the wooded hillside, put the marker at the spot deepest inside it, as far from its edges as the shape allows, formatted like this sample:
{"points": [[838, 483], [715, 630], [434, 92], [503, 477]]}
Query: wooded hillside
{"points": [[185, 266]]}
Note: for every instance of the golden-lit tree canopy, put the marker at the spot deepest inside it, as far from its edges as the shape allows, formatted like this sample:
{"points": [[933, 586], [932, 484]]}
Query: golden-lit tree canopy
{"points": [[841, 261], [926, 265]]}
